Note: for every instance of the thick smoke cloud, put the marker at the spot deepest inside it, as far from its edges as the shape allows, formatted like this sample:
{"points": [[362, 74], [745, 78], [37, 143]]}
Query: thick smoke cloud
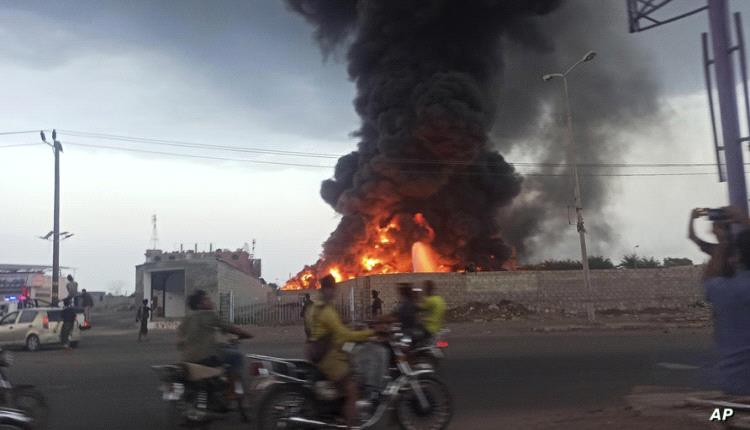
{"points": [[427, 79], [433, 78], [615, 93]]}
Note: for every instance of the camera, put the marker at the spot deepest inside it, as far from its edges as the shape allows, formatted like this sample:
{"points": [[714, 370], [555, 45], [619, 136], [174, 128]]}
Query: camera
{"points": [[717, 215]]}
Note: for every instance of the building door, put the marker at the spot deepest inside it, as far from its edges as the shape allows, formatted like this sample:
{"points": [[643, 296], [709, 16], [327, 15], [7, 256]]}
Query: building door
{"points": [[168, 293]]}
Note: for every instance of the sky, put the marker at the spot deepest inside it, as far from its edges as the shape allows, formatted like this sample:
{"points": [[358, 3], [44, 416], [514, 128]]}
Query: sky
{"points": [[249, 75]]}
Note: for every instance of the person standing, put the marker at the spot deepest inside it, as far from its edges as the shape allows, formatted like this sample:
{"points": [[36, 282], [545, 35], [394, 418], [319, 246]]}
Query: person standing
{"points": [[307, 302], [88, 303], [72, 287], [728, 291], [377, 304], [144, 313], [68, 322]]}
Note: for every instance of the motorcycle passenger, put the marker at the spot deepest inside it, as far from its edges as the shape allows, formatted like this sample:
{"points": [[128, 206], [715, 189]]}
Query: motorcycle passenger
{"points": [[407, 312], [198, 342], [433, 308], [325, 323]]}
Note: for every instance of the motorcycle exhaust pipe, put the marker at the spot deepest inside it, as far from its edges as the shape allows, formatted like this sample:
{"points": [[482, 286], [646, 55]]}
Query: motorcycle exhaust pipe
{"points": [[313, 423]]}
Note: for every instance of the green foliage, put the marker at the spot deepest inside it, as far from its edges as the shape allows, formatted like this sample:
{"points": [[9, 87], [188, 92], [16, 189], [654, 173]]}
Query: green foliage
{"points": [[599, 262], [675, 262], [633, 261], [595, 262]]}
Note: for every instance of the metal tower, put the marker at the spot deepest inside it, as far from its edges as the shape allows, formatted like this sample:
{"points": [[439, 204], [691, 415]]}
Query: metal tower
{"points": [[154, 233]]}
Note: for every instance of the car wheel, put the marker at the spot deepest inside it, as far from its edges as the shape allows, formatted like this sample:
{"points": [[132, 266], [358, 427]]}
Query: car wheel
{"points": [[74, 344], [32, 343]]}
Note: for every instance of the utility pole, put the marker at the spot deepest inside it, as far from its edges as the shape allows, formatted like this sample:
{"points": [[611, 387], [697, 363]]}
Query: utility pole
{"points": [[647, 14], [57, 148], [573, 161], [718, 20]]}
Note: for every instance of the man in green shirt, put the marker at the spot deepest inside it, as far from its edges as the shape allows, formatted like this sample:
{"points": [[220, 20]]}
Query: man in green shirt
{"points": [[433, 308], [325, 323], [197, 337]]}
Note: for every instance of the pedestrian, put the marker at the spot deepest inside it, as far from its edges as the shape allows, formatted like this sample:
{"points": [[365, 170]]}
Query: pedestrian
{"points": [[68, 322], [377, 304], [307, 303], [144, 312], [72, 287], [727, 285], [88, 303]]}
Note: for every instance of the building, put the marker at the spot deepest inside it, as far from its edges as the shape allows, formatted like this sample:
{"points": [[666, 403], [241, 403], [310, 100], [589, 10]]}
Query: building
{"points": [[27, 281], [231, 278]]}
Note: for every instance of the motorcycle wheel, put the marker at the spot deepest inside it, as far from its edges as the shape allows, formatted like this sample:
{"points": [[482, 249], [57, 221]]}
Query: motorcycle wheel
{"points": [[33, 403], [283, 403], [438, 414]]}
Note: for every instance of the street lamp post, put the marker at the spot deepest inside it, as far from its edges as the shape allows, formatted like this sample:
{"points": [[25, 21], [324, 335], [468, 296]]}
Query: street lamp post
{"points": [[572, 160], [635, 257]]}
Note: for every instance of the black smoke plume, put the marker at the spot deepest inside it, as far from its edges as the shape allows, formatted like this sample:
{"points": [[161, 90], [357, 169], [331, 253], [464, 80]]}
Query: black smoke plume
{"points": [[432, 77]]}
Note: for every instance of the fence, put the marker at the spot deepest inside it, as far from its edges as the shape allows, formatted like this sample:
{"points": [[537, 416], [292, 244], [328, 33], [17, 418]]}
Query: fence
{"points": [[281, 312]]}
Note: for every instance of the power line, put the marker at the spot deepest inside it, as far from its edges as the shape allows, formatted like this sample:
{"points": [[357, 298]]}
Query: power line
{"points": [[7, 133], [16, 145], [265, 151], [245, 160]]}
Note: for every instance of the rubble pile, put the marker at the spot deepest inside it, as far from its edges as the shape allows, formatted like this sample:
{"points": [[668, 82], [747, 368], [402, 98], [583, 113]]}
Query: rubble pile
{"points": [[480, 311]]}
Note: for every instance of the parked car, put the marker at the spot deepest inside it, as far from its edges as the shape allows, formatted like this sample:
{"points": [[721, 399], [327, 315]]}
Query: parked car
{"points": [[36, 327]]}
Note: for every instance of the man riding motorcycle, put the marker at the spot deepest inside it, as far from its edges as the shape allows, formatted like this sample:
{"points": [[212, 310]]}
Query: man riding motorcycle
{"points": [[433, 308], [197, 338], [326, 326]]}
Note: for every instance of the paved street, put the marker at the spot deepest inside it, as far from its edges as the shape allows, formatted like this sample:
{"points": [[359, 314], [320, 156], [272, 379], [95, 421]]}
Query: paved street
{"points": [[499, 380]]}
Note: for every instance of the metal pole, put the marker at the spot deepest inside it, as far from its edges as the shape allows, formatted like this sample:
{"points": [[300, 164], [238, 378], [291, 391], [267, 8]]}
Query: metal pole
{"points": [[56, 229], [579, 204], [718, 13]]}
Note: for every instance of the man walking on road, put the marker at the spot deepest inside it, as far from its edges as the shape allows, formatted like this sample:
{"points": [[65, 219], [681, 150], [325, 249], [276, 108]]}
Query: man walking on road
{"points": [[377, 304], [307, 303], [72, 287], [144, 313], [68, 322], [88, 303]]}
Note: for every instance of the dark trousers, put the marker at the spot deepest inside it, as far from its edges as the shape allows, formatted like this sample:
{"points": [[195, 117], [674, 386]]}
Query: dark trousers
{"points": [[65, 331]]}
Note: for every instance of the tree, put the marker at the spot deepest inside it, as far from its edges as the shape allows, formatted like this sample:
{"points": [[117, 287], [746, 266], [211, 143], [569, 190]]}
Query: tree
{"points": [[675, 262], [633, 261], [599, 262], [595, 262]]}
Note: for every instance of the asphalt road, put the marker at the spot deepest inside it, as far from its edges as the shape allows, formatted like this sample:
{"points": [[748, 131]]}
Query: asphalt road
{"points": [[497, 381]]}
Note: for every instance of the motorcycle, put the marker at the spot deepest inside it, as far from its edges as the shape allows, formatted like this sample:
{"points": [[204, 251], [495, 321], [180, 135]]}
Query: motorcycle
{"points": [[294, 394], [22, 407], [430, 354], [198, 394]]}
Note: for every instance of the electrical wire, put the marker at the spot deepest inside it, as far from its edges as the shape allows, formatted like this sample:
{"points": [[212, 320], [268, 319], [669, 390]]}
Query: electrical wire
{"points": [[264, 151], [276, 163]]}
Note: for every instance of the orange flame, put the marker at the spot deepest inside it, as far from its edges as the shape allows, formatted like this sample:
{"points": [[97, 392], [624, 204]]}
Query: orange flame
{"points": [[392, 244]]}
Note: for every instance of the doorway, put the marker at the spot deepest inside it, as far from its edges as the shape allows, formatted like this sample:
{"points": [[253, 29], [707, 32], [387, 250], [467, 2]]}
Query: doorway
{"points": [[168, 293]]}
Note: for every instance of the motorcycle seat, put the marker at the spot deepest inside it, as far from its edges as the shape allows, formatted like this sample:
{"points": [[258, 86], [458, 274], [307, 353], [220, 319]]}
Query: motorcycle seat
{"points": [[198, 372]]}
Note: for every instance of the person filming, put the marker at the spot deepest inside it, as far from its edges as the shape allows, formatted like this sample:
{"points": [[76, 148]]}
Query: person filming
{"points": [[727, 288]]}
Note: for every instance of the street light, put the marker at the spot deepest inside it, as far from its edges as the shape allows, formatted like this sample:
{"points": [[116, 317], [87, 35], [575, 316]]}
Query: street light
{"points": [[635, 257], [572, 160]]}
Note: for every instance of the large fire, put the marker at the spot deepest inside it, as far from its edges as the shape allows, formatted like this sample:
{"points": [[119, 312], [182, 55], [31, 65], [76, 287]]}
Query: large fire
{"points": [[399, 244]]}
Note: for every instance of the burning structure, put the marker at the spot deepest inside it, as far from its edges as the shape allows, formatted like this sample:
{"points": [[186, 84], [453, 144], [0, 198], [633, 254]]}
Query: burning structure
{"points": [[425, 190], [423, 187]]}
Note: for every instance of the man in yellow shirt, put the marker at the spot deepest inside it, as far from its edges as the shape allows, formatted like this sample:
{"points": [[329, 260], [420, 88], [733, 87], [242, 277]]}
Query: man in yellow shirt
{"points": [[324, 322], [433, 308]]}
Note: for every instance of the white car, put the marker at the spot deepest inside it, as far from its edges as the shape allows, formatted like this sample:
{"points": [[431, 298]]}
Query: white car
{"points": [[36, 327]]}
